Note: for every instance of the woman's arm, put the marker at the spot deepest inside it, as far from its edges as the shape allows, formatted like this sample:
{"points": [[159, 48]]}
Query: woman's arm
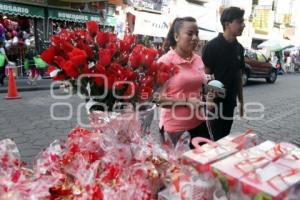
{"points": [[169, 102]]}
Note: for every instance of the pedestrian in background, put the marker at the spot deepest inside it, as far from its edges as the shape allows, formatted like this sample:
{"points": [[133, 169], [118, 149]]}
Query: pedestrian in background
{"points": [[3, 62], [180, 96], [223, 57], [33, 72]]}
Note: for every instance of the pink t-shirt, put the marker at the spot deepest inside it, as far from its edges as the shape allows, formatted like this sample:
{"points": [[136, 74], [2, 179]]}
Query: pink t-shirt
{"points": [[186, 83]]}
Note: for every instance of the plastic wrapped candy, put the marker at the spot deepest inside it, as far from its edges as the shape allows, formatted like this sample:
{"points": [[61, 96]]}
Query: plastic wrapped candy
{"points": [[37, 188], [186, 184], [124, 125], [84, 172], [144, 177], [47, 160], [9, 155]]}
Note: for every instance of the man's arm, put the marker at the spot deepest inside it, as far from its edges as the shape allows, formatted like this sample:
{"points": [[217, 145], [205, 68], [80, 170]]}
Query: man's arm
{"points": [[240, 95]]}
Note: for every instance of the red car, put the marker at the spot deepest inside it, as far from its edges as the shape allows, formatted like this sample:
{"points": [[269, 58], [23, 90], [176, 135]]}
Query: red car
{"points": [[258, 66]]}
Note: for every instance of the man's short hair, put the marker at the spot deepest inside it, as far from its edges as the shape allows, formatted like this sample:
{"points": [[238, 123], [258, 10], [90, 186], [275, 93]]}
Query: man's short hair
{"points": [[230, 14]]}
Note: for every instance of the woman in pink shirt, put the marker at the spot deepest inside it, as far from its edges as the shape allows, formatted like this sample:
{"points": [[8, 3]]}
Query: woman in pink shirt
{"points": [[180, 99]]}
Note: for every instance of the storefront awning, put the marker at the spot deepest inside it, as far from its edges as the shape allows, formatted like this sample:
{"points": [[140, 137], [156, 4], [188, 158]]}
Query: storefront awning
{"points": [[21, 9], [66, 15]]}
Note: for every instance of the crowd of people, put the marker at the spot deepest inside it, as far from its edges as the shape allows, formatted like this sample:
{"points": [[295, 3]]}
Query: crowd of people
{"points": [[182, 96], [17, 46]]}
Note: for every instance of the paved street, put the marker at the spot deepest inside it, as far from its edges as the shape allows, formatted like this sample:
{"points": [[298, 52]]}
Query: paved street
{"points": [[29, 121]]}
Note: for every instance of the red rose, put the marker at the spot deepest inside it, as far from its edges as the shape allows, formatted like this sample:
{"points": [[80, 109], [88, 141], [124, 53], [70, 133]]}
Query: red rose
{"points": [[102, 38], [66, 46], [104, 57], [150, 55], [152, 69], [117, 69], [131, 75], [129, 39], [99, 68], [162, 77], [86, 69], [112, 38], [78, 57], [48, 55], [89, 52], [113, 48], [135, 60], [59, 61], [97, 193], [124, 59], [147, 81], [70, 70], [124, 46], [56, 40], [92, 27], [138, 49]]}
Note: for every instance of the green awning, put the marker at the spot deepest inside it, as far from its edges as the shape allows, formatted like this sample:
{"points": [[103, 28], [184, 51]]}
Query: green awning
{"points": [[66, 15], [21, 9]]}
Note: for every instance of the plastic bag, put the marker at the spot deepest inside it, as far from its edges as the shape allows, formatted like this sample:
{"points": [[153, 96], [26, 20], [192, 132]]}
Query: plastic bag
{"points": [[39, 63], [2, 60]]}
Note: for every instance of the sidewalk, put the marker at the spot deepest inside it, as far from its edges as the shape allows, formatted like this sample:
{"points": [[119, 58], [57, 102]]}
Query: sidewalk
{"points": [[23, 86]]}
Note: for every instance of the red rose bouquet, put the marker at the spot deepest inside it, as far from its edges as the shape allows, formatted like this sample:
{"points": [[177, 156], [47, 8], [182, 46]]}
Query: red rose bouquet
{"points": [[105, 69]]}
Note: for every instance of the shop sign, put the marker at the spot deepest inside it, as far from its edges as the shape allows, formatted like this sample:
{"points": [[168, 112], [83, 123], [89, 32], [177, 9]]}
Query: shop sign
{"points": [[20, 9], [12, 8], [262, 20], [147, 4], [72, 16], [150, 24]]}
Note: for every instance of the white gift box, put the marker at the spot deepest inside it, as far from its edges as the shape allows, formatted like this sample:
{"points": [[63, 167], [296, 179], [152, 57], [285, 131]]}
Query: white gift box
{"points": [[273, 180]]}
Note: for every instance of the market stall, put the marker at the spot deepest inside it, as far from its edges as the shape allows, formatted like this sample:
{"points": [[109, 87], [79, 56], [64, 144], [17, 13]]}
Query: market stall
{"points": [[20, 29]]}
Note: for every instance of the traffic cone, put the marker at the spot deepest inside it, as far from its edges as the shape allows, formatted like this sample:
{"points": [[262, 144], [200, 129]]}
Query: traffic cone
{"points": [[12, 92]]}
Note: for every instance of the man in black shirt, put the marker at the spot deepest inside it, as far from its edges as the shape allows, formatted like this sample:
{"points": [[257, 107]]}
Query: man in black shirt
{"points": [[223, 57]]}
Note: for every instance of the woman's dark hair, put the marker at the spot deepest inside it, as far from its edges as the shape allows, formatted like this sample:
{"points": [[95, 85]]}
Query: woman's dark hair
{"points": [[175, 27], [230, 14]]}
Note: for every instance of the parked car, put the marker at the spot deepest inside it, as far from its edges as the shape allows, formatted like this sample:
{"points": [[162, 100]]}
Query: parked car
{"points": [[258, 66]]}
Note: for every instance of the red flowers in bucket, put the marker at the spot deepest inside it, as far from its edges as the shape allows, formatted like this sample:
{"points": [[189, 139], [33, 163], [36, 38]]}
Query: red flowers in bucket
{"points": [[98, 63]]}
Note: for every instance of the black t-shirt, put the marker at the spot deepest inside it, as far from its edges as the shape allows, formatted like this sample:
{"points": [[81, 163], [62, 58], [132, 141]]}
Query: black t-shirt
{"points": [[225, 60]]}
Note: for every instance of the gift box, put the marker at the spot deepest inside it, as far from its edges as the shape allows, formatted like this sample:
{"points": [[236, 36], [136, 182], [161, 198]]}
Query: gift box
{"points": [[243, 141], [202, 157], [271, 182], [232, 168]]}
